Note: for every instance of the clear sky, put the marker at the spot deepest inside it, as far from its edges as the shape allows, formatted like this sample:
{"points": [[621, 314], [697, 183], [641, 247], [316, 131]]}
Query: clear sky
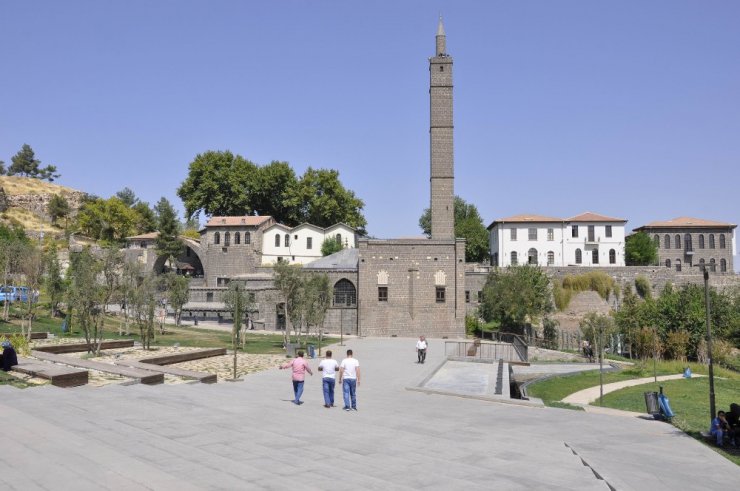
{"points": [[629, 109]]}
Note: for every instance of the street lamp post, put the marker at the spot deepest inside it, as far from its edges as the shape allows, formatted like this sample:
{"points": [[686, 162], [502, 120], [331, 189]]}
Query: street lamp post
{"points": [[712, 408], [601, 364]]}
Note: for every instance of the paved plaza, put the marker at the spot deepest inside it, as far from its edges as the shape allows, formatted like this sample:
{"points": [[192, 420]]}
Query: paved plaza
{"points": [[248, 435]]}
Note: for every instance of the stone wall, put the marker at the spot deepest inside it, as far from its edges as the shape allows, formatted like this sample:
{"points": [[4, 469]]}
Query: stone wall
{"points": [[38, 204]]}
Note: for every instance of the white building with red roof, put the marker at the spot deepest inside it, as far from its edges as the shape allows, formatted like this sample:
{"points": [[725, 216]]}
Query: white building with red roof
{"points": [[588, 239]]}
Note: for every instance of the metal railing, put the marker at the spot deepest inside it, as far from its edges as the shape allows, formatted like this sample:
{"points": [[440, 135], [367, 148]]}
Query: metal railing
{"points": [[514, 350]]}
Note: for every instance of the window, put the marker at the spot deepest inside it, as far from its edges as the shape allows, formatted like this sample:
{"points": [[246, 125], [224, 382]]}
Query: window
{"points": [[227, 239], [217, 238], [532, 234], [678, 265], [677, 242], [467, 296], [722, 244], [722, 265], [513, 234], [532, 256], [440, 294], [480, 296], [687, 243], [579, 256], [667, 240], [612, 256], [591, 233], [382, 294], [574, 231], [247, 238], [595, 256], [309, 242], [287, 240], [209, 296], [345, 294], [711, 241], [667, 263], [550, 234], [339, 238], [514, 261], [701, 241], [550, 258], [656, 240], [608, 230], [237, 238], [712, 265], [277, 240]]}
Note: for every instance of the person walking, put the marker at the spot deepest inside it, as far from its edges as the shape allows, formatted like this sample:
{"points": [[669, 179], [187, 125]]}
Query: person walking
{"points": [[349, 377], [328, 367], [299, 368], [421, 349]]}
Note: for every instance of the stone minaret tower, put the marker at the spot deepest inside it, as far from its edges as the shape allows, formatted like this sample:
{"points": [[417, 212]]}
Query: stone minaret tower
{"points": [[440, 132]]}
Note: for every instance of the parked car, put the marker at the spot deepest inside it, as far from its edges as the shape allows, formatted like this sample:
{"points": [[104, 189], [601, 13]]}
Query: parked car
{"points": [[11, 294]]}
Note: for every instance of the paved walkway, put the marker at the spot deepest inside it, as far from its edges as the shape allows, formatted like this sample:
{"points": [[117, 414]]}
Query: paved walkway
{"points": [[247, 435], [587, 396]]}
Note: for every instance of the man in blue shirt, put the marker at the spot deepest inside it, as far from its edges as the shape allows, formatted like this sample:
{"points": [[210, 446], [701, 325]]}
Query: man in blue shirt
{"points": [[719, 427]]}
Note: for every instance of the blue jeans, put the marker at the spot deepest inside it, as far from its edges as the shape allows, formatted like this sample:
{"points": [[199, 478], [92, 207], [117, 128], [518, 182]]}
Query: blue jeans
{"points": [[349, 391], [328, 385], [720, 435], [297, 390]]}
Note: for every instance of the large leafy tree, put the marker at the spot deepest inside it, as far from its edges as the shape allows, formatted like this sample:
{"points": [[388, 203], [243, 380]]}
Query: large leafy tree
{"points": [[468, 225], [57, 208], [221, 183], [640, 250], [26, 164], [168, 243], [516, 296], [107, 220], [146, 219], [217, 184], [128, 196]]}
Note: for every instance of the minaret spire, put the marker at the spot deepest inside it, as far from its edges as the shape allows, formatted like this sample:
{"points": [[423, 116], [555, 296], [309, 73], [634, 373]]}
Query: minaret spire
{"points": [[441, 38]]}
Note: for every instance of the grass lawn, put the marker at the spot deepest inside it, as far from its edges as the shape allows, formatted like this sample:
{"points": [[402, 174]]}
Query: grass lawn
{"points": [[6, 379], [184, 336], [553, 390], [689, 401]]}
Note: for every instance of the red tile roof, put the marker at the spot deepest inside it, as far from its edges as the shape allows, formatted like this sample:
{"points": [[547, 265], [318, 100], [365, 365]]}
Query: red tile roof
{"points": [[687, 222], [594, 217], [150, 236], [529, 218], [246, 220]]}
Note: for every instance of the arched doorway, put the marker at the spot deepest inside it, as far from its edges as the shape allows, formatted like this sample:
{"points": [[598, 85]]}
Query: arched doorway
{"points": [[187, 264]]}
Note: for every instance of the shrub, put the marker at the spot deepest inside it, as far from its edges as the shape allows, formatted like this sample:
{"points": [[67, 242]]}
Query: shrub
{"points": [[721, 351], [646, 342], [677, 344], [597, 281], [472, 325], [642, 287], [550, 333], [561, 296], [20, 343]]}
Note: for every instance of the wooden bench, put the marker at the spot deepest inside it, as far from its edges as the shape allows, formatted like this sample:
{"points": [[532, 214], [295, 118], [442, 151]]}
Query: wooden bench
{"points": [[147, 377], [58, 375], [82, 347], [206, 378], [185, 356]]}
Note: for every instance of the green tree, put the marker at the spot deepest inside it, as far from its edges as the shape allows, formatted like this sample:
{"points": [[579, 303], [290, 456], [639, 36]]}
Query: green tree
{"points": [[288, 280], [57, 208], [26, 164], [128, 197], [238, 302], [32, 267], [2, 168], [515, 296], [85, 294], [145, 220], [13, 243], [330, 246], [317, 300], [168, 241], [177, 293], [468, 225], [53, 282], [217, 184], [270, 190], [597, 329], [108, 220], [322, 200], [143, 302], [640, 250]]}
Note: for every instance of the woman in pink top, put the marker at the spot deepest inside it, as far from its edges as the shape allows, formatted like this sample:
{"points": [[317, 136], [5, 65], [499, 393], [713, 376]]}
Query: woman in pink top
{"points": [[300, 367]]}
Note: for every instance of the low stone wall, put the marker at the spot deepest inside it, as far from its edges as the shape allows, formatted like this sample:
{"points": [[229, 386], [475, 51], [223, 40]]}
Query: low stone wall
{"points": [[38, 204]]}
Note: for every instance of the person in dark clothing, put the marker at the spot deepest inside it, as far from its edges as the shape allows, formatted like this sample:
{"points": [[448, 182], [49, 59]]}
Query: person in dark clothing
{"points": [[9, 357], [733, 421]]}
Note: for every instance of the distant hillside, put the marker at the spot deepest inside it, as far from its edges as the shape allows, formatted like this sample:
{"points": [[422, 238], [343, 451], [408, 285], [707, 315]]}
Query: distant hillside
{"points": [[26, 201]]}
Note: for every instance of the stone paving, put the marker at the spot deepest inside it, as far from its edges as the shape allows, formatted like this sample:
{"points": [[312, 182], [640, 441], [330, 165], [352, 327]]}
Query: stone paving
{"points": [[247, 435]]}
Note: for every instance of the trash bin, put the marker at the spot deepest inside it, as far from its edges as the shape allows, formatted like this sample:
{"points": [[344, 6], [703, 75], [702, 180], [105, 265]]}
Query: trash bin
{"points": [[651, 401], [311, 351]]}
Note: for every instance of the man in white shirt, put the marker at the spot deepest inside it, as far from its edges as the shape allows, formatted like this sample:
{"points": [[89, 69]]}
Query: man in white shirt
{"points": [[349, 377], [421, 349], [328, 367]]}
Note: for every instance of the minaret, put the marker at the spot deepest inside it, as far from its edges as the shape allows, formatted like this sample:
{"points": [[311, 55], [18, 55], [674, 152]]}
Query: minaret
{"points": [[442, 178]]}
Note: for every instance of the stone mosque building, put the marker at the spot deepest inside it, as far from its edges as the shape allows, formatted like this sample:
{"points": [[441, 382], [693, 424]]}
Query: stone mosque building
{"points": [[404, 287]]}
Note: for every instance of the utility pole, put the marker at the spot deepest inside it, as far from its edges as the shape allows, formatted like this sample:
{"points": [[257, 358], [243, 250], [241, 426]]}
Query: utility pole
{"points": [[712, 408]]}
